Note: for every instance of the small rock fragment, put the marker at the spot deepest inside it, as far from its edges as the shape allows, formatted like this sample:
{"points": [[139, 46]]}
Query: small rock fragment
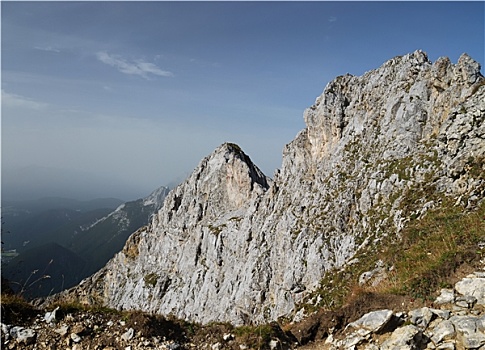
{"points": [[50, 317], [75, 337], [446, 296], [128, 335]]}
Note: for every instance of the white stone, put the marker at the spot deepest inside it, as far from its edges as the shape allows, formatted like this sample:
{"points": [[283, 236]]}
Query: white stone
{"points": [[228, 336], [446, 296], [23, 335], [50, 317], [6, 330], [402, 338], [443, 330], [75, 337], [128, 335], [421, 317], [273, 344], [373, 321], [473, 287]]}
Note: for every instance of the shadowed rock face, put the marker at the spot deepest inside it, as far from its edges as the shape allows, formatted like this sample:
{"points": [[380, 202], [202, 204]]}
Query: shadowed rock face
{"points": [[232, 245]]}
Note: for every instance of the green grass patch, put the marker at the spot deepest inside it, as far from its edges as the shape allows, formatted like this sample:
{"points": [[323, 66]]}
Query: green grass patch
{"points": [[433, 247], [255, 337], [423, 259], [150, 280]]}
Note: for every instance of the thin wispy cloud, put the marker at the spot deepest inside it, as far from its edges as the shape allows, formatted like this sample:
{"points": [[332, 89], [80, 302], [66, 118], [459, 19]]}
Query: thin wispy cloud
{"points": [[138, 67], [47, 48], [332, 19], [13, 100]]}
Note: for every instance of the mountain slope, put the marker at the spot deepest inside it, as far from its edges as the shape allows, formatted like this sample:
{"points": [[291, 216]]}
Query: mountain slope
{"points": [[101, 240], [231, 245], [92, 238], [27, 224], [44, 270]]}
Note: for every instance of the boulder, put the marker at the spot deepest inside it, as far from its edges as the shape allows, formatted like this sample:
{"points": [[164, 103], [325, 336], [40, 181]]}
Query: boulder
{"points": [[474, 286], [403, 338], [446, 296], [443, 331], [373, 321]]}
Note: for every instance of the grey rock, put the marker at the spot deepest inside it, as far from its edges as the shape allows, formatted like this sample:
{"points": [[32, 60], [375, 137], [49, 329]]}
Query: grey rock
{"points": [[446, 296], [473, 341], [444, 314], [375, 276], [469, 329], [466, 301], [173, 346], [481, 323], [474, 287], [373, 321], [465, 324], [446, 346], [403, 338], [443, 330], [421, 317], [23, 335]]}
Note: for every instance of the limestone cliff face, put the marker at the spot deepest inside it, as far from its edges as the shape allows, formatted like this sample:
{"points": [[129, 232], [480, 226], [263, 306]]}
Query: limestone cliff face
{"points": [[232, 245]]}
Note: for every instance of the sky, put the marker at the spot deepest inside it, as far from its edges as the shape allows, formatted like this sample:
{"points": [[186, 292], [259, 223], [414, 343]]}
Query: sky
{"points": [[114, 99]]}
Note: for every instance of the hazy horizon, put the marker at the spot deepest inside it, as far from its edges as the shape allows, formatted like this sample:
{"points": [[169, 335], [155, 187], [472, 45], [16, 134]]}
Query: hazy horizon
{"points": [[115, 99]]}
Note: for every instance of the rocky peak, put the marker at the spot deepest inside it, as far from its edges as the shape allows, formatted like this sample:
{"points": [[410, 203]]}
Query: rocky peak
{"points": [[156, 198], [225, 180], [391, 104], [378, 150]]}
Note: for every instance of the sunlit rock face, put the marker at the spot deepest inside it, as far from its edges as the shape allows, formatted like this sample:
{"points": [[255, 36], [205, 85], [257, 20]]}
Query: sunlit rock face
{"points": [[232, 245]]}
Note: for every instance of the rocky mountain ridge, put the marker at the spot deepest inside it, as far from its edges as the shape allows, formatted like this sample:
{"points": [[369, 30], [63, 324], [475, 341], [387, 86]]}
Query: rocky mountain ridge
{"points": [[455, 320], [232, 245]]}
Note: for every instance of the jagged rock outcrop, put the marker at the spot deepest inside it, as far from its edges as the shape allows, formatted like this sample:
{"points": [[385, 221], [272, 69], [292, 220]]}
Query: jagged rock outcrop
{"points": [[452, 324], [232, 245]]}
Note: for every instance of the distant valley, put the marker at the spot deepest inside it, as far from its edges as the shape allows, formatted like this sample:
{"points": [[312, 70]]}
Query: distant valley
{"points": [[53, 243]]}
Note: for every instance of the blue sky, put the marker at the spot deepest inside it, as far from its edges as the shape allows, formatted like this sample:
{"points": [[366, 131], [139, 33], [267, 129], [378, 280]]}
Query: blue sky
{"points": [[118, 98]]}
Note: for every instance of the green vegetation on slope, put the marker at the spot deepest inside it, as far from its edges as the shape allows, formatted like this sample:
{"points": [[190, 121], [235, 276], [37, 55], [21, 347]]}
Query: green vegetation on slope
{"points": [[425, 258]]}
